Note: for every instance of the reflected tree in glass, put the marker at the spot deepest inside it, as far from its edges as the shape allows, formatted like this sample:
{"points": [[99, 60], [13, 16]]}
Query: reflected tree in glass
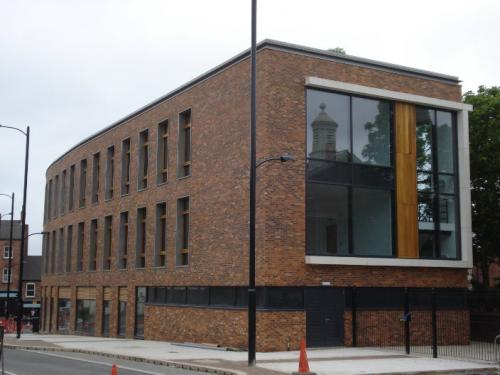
{"points": [[378, 148]]}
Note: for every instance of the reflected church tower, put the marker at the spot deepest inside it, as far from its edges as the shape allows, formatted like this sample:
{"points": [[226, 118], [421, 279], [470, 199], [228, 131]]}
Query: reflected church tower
{"points": [[324, 136]]}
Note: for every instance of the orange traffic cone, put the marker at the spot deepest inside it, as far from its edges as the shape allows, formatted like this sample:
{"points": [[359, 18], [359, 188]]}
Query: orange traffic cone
{"points": [[114, 370], [303, 362]]}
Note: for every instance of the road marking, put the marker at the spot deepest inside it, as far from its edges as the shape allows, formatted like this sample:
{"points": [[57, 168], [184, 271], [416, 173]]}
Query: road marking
{"points": [[9, 373], [95, 363]]}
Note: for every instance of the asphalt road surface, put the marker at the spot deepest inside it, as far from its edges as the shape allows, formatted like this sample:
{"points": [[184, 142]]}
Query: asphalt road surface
{"points": [[26, 362]]}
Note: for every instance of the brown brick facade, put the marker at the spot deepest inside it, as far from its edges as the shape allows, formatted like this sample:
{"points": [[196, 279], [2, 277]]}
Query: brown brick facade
{"points": [[377, 328], [218, 191], [275, 330]]}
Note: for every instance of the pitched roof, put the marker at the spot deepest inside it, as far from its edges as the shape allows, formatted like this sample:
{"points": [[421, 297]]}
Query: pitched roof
{"points": [[5, 230], [33, 268]]}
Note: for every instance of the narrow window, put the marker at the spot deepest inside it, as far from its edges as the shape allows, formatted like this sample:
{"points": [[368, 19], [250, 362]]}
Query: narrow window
{"points": [[110, 172], [142, 175], [46, 251], [140, 258], [71, 194], [93, 245], [83, 182], [162, 155], [122, 318], [79, 255], [106, 308], [184, 157], [63, 192], [56, 197], [46, 204], [182, 258], [96, 169], [69, 244], [49, 204], [161, 235], [60, 251], [108, 238], [53, 252], [123, 248], [125, 180], [6, 276]]}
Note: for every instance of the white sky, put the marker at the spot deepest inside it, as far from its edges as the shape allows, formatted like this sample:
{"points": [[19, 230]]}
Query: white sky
{"points": [[69, 68]]}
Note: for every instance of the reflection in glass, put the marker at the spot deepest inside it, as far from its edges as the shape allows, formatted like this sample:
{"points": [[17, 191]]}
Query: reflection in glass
{"points": [[448, 244], [63, 314], [372, 224], [105, 318], [445, 142], [424, 182], [327, 219], [446, 184], [425, 211], [85, 316], [328, 123], [371, 131], [447, 212], [427, 244], [425, 121]]}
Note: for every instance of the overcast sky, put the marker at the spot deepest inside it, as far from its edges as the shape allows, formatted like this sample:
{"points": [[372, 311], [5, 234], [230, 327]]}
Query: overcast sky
{"points": [[69, 68]]}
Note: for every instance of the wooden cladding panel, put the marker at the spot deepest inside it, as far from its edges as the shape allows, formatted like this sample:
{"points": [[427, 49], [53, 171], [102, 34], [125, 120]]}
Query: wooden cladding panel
{"points": [[406, 180], [65, 292], [123, 294], [85, 292], [107, 293]]}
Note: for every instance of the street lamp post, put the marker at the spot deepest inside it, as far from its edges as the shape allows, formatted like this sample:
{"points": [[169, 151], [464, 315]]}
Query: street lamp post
{"points": [[252, 307], [10, 249], [23, 229]]}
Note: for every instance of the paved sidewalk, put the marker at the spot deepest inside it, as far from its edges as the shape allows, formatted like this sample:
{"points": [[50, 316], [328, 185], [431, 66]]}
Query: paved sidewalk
{"points": [[337, 361]]}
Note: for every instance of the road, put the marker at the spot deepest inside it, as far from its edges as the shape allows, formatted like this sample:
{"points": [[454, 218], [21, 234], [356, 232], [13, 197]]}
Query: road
{"points": [[24, 362]]}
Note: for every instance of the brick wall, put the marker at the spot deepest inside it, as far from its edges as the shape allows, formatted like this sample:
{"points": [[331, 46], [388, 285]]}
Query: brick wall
{"points": [[385, 328], [276, 330]]}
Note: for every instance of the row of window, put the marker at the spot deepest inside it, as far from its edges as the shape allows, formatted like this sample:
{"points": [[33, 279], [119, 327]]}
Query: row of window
{"points": [[60, 191], [57, 244], [350, 198], [86, 313]]}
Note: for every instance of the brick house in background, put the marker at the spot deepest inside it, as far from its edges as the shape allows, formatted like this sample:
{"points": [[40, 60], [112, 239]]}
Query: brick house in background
{"points": [[148, 218], [31, 272]]}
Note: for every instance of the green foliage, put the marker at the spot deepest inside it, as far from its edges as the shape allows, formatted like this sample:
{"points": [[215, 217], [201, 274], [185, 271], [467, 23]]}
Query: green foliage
{"points": [[338, 50], [485, 175]]}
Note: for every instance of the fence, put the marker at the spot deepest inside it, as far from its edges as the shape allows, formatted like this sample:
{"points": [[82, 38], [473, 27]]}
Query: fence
{"points": [[433, 322]]}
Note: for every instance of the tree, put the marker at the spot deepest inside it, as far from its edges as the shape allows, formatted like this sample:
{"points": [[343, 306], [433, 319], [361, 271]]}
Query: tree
{"points": [[337, 50], [485, 176]]}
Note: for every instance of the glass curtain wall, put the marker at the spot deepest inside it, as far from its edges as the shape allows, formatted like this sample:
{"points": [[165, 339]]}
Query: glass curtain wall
{"points": [[350, 175], [437, 184]]}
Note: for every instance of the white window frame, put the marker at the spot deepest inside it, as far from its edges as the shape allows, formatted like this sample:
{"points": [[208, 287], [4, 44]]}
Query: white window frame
{"points": [[11, 254], [34, 290], [5, 275]]}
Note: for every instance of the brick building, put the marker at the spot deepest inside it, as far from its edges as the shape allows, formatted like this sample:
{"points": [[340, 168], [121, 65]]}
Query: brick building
{"points": [[31, 292], [148, 218]]}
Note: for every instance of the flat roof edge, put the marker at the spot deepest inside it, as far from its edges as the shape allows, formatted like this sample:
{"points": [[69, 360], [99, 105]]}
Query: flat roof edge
{"points": [[273, 44]]}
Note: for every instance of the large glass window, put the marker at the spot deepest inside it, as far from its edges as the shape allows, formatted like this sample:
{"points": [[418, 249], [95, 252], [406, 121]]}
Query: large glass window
{"points": [[63, 314], [436, 184], [350, 175], [122, 318], [106, 308], [85, 316]]}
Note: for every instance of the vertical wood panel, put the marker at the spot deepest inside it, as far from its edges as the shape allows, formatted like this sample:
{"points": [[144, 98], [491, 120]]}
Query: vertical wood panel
{"points": [[406, 180]]}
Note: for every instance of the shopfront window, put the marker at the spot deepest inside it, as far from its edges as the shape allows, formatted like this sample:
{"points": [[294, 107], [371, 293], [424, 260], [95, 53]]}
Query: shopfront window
{"points": [[63, 314], [85, 316]]}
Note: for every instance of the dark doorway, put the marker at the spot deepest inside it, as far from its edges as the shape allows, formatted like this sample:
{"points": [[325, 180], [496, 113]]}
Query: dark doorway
{"points": [[324, 316]]}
